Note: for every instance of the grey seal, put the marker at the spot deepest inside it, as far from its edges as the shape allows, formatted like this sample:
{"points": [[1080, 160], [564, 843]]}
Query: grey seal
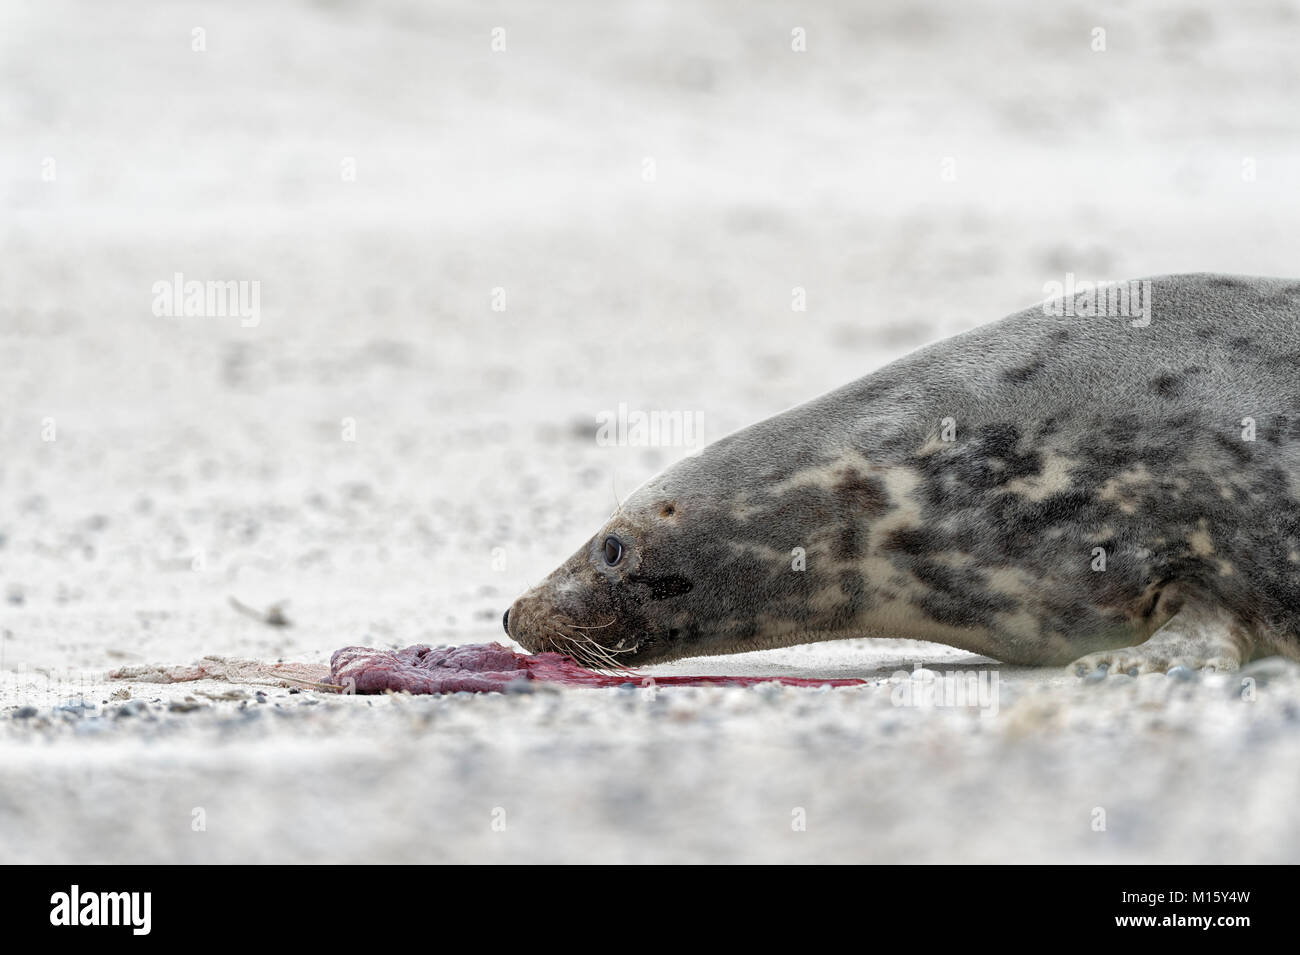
{"points": [[1061, 485]]}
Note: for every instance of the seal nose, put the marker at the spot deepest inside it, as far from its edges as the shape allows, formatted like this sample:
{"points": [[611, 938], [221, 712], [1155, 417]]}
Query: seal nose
{"points": [[505, 622]]}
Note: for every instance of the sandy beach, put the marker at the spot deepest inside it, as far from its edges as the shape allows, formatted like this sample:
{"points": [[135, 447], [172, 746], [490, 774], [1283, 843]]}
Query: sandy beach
{"points": [[464, 257]]}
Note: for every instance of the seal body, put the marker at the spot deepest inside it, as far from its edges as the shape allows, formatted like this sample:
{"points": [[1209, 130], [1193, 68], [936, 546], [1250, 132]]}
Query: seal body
{"points": [[1052, 485]]}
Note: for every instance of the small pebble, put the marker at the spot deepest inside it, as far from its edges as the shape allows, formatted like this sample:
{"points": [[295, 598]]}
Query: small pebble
{"points": [[519, 688], [131, 708], [90, 725]]}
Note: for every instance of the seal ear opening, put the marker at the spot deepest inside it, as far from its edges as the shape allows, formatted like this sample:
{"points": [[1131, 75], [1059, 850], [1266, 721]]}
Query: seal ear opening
{"points": [[667, 509]]}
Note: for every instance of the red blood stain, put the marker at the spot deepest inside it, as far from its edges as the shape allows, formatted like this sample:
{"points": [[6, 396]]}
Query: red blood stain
{"points": [[490, 667]]}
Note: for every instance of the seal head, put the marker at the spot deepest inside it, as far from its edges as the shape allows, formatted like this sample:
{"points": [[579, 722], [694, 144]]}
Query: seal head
{"points": [[628, 596], [705, 559]]}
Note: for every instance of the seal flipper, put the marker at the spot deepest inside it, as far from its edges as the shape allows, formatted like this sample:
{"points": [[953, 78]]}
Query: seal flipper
{"points": [[1198, 636]]}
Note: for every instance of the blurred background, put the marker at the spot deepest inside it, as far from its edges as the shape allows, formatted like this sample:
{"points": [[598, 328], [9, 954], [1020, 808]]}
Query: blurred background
{"points": [[478, 227]]}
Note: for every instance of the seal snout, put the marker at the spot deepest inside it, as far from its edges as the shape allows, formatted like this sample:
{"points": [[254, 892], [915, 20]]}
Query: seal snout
{"points": [[523, 623], [540, 623]]}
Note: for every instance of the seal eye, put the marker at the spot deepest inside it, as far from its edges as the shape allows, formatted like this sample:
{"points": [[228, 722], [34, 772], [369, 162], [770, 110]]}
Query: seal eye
{"points": [[613, 550]]}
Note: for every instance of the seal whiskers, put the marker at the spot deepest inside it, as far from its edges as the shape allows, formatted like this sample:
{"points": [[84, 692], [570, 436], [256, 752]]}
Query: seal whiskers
{"points": [[586, 651]]}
